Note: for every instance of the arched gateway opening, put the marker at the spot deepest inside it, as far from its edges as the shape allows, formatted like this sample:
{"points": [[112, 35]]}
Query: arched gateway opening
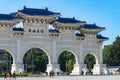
{"points": [[89, 60], [35, 60], [6, 61], [66, 60]]}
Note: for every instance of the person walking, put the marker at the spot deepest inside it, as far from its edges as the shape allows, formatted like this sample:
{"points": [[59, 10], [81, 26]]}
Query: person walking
{"points": [[5, 76], [10, 75], [14, 75], [50, 73]]}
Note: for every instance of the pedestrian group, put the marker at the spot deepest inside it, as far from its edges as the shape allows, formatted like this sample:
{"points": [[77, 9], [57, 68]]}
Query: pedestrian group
{"points": [[11, 76]]}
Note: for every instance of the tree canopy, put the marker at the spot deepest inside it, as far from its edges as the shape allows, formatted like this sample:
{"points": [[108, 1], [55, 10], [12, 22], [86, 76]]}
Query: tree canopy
{"points": [[111, 53], [35, 60], [89, 61], [66, 61]]}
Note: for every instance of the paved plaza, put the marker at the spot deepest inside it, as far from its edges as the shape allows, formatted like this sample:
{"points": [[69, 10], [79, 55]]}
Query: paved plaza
{"points": [[69, 78]]}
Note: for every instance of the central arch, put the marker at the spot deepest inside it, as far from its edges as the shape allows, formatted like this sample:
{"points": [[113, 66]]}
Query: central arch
{"points": [[35, 60]]}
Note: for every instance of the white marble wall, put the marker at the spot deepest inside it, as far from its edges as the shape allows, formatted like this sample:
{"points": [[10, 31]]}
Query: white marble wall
{"points": [[18, 45]]}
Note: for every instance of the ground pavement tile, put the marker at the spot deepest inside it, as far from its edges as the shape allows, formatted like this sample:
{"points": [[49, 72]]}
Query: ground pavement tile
{"points": [[68, 78]]}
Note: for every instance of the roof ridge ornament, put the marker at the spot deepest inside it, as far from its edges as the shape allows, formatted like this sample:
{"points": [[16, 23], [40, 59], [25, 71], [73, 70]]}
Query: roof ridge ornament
{"points": [[58, 17], [46, 8], [94, 24], [73, 17], [24, 7]]}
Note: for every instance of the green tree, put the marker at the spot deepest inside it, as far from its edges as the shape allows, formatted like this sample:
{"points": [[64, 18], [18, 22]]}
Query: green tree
{"points": [[66, 61], [89, 61], [36, 60], [6, 61], [106, 55], [111, 53]]}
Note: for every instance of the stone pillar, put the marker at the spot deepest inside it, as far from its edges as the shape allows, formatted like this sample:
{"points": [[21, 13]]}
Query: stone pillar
{"points": [[96, 69], [82, 66], [99, 67], [103, 69], [54, 56], [19, 59], [17, 65]]}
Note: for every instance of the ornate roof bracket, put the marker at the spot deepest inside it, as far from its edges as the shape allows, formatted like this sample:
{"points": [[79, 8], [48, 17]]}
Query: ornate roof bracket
{"points": [[101, 38], [91, 29]]}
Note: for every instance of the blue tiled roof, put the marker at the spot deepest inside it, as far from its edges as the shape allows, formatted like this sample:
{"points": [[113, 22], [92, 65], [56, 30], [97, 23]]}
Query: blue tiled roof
{"points": [[14, 13], [18, 29], [99, 36], [79, 34], [92, 26], [39, 12], [7, 17], [69, 20], [53, 30]]}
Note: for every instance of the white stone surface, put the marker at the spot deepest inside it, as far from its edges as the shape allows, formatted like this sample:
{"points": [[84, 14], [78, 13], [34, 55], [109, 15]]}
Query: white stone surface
{"points": [[69, 78]]}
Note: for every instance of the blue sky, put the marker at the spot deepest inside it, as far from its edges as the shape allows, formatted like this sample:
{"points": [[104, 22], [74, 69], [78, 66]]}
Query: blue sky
{"points": [[105, 13]]}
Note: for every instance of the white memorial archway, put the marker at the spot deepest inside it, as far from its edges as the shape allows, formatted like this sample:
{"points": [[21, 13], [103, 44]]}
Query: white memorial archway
{"points": [[36, 33]]}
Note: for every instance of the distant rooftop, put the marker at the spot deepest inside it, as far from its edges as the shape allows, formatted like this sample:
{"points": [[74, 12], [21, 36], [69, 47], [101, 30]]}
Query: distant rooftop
{"points": [[7, 17], [80, 34], [92, 26], [68, 20], [37, 12], [99, 36]]}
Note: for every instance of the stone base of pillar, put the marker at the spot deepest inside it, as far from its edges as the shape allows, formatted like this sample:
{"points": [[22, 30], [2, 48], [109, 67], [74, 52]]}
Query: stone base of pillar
{"points": [[103, 69], [75, 70], [99, 69], [18, 68], [13, 68], [49, 68], [54, 67], [96, 69]]}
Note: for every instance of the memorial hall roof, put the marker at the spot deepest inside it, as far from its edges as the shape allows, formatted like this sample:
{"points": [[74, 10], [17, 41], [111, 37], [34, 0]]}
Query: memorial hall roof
{"points": [[7, 17], [68, 20], [37, 12], [99, 36]]}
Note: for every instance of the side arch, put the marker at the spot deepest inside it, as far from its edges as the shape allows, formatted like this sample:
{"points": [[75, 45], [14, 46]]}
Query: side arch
{"points": [[7, 59], [60, 51], [96, 58], [11, 52]]}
